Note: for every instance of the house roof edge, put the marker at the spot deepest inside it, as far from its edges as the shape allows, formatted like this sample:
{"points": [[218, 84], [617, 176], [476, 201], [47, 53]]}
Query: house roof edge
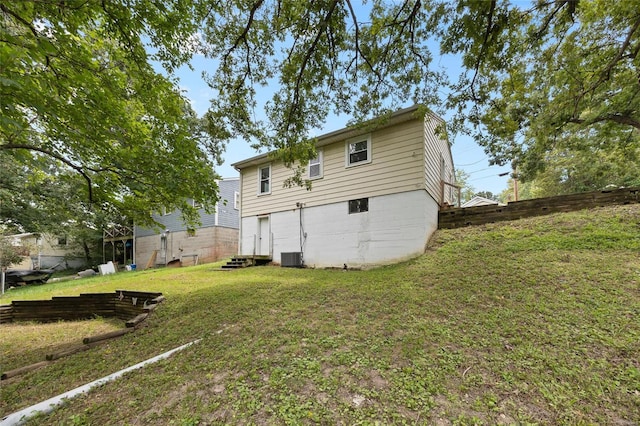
{"points": [[396, 117]]}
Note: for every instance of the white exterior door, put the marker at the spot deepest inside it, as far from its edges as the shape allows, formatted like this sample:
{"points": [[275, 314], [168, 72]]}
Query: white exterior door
{"points": [[263, 243]]}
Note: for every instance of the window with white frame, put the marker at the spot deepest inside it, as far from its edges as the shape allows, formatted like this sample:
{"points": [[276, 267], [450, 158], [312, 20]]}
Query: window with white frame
{"points": [[358, 151], [236, 200], [315, 167], [195, 204], [264, 180]]}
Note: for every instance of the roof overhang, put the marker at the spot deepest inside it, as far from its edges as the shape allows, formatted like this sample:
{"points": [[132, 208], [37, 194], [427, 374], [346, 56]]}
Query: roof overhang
{"points": [[407, 114]]}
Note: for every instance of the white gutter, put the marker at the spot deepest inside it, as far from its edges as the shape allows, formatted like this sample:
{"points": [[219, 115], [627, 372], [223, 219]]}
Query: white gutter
{"points": [[46, 407]]}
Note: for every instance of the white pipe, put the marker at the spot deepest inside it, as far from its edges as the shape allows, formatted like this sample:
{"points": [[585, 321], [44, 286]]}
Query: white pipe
{"points": [[50, 404]]}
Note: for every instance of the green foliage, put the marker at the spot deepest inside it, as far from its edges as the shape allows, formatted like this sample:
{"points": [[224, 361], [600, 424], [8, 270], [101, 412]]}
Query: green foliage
{"points": [[467, 191], [79, 95], [78, 84], [486, 194], [9, 254], [551, 76], [588, 169]]}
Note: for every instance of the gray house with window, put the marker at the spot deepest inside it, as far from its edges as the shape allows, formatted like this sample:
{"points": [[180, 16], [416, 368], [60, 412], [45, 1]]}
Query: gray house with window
{"points": [[216, 238]]}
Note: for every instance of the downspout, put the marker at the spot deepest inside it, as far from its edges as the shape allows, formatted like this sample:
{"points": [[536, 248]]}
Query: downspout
{"points": [[240, 251], [134, 245], [303, 235]]}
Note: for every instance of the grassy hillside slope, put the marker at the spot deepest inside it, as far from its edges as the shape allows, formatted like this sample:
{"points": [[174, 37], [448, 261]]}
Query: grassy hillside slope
{"points": [[527, 322]]}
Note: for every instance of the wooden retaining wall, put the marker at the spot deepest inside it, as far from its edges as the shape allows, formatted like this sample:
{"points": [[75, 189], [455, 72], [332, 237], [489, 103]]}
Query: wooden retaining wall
{"points": [[459, 217], [122, 304], [131, 306]]}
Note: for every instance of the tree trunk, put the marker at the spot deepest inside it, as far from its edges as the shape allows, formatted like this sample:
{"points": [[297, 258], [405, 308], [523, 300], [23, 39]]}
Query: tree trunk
{"points": [[87, 252]]}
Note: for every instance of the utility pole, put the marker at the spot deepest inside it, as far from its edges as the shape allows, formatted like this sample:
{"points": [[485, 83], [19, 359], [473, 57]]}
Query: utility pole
{"points": [[514, 175]]}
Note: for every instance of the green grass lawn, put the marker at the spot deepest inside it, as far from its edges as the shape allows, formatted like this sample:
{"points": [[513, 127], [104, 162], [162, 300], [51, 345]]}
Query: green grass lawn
{"points": [[527, 322]]}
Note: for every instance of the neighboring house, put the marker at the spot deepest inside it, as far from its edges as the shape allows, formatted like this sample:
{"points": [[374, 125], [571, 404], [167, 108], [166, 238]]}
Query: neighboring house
{"points": [[479, 201], [215, 239], [375, 196], [45, 251]]}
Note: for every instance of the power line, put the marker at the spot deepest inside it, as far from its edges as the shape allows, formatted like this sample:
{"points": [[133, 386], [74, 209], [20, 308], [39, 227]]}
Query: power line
{"points": [[485, 177], [471, 164], [479, 170]]}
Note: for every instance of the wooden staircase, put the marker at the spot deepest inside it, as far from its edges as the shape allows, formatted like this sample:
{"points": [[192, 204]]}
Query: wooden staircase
{"points": [[246, 261], [238, 262]]}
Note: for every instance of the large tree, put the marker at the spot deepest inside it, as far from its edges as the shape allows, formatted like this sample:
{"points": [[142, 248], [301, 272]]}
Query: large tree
{"points": [[536, 76], [547, 77], [77, 81], [589, 169], [78, 93]]}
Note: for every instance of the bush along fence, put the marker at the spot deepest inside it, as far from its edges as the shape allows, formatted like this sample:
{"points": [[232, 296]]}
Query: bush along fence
{"points": [[133, 307], [459, 217]]}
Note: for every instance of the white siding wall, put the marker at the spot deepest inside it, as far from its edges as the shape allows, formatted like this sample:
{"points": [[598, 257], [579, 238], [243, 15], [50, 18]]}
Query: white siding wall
{"points": [[435, 149], [396, 166], [395, 228]]}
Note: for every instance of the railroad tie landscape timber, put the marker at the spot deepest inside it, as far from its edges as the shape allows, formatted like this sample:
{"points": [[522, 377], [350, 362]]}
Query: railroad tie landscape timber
{"points": [[133, 307], [470, 216]]}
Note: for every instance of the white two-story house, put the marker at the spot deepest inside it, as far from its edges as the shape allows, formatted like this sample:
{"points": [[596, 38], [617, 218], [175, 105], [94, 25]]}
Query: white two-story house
{"points": [[374, 199]]}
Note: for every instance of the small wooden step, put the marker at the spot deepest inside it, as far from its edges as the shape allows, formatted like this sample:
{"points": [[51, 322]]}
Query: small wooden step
{"points": [[244, 262]]}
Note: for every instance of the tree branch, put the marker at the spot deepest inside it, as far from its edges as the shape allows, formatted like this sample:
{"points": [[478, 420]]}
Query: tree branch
{"points": [[357, 46], [616, 118], [245, 31], [483, 49], [296, 93], [52, 154], [547, 21], [606, 73], [20, 19]]}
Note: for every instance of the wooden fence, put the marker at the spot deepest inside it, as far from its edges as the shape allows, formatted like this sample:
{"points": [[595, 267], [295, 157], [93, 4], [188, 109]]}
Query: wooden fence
{"points": [[123, 304], [459, 217]]}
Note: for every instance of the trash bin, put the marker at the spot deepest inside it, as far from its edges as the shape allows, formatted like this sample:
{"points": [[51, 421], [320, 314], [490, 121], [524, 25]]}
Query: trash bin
{"points": [[133, 266]]}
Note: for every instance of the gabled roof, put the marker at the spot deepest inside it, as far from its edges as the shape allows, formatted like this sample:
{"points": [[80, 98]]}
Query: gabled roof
{"points": [[397, 117], [479, 201]]}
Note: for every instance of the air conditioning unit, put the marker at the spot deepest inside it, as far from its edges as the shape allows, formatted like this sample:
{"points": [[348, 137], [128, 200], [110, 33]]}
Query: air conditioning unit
{"points": [[291, 259]]}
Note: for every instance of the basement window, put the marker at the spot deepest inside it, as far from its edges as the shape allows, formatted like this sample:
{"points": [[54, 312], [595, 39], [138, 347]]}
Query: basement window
{"points": [[360, 205]]}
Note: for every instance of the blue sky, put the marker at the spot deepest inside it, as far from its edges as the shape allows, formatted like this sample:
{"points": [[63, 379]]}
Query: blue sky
{"points": [[467, 155]]}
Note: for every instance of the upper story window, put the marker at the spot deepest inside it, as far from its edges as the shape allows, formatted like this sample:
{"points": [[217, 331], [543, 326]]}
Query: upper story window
{"points": [[358, 151], [315, 167], [264, 180], [236, 200], [62, 240], [166, 212]]}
